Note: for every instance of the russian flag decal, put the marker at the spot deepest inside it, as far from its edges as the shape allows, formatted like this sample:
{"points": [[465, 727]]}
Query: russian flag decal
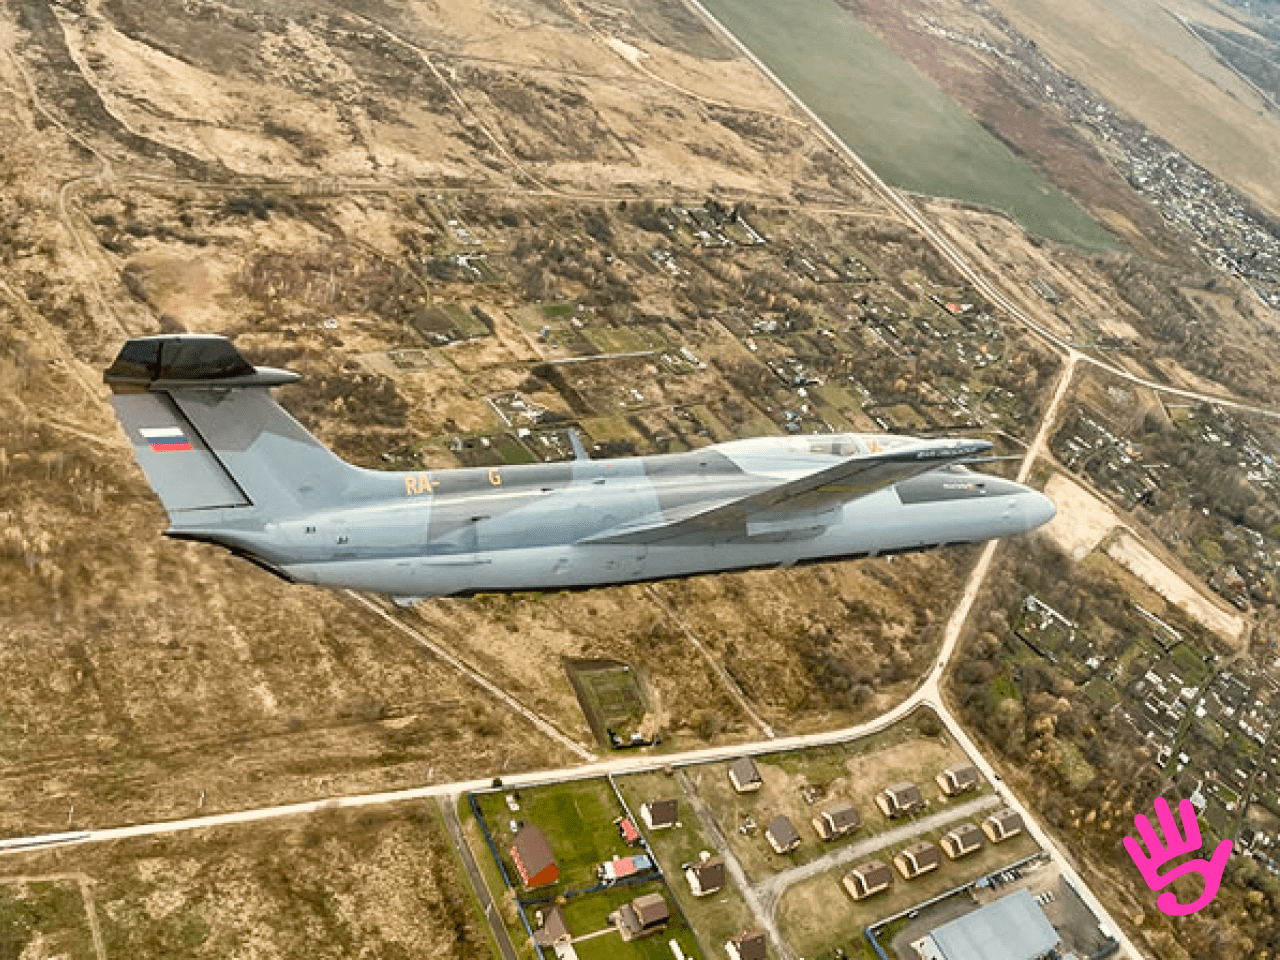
{"points": [[166, 439]]}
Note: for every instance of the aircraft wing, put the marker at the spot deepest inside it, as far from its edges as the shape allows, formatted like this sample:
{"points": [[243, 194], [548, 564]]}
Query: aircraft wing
{"points": [[811, 494]]}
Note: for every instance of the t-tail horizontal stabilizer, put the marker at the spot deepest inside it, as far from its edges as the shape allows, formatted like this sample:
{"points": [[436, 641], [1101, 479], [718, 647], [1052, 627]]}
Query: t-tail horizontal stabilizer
{"points": [[210, 438]]}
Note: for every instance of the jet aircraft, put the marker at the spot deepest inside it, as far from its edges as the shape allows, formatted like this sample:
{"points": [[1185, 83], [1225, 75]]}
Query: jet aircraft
{"points": [[231, 467]]}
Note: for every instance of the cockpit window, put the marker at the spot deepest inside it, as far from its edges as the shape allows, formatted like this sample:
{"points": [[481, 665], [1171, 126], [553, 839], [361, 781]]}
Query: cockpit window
{"points": [[838, 445]]}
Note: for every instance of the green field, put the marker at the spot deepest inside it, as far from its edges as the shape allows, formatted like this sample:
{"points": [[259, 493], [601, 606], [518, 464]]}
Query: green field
{"points": [[577, 819], [896, 119]]}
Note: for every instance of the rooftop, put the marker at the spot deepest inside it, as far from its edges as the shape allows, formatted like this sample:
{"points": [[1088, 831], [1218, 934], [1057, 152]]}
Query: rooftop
{"points": [[1011, 928]]}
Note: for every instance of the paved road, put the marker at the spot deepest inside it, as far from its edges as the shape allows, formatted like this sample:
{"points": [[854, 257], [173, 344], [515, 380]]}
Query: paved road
{"points": [[449, 810]]}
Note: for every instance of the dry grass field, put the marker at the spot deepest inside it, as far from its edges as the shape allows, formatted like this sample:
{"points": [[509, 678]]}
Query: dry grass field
{"points": [[380, 884], [425, 208]]}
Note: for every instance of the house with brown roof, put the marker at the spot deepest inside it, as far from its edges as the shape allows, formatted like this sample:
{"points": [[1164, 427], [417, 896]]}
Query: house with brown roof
{"points": [[660, 814], [962, 841], [745, 775], [532, 855], [641, 917], [553, 930], [899, 799], [747, 946], [1002, 825], [957, 780], [918, 858], [837, 822], [867, 879], [705, 876], [782, 834]]}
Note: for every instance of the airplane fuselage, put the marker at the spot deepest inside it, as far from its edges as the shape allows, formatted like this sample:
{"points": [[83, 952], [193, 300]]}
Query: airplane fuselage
{"points": [[531, 527], [232, 467]]}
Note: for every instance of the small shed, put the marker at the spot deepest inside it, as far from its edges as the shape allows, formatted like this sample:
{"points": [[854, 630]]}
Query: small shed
{"points": [[899, 799], [782, 834], [837, 822], [918, 858], [962, 841], [745, 775], [747, 946], [706, 876], [627, 831], [867, 879], [960, 779], [660, 814], [554, 929], [1002, 825], [642, 916]]}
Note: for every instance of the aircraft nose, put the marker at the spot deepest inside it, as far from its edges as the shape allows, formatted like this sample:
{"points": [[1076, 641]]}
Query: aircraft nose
{"points": [[1037, 509]]}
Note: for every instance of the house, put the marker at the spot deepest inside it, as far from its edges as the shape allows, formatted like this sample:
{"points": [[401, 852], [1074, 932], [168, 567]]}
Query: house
{"points": [[962, 841], [641, 917], [533, 859], [1002, 825], [956, 780], [620, 867], [837, 822], [745, 775], [554, 929], [706, 876], [627, 831], [867, 879], [918, 858], [899, 799], [746, 946], [659, 814], [782, 834]]}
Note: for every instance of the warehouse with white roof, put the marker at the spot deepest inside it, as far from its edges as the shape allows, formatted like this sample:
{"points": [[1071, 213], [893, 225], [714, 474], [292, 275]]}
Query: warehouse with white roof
{"points": [[1011, 928]]}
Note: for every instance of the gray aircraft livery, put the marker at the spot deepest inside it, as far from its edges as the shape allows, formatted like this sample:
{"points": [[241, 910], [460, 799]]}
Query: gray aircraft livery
{"points": [[233, 468]]}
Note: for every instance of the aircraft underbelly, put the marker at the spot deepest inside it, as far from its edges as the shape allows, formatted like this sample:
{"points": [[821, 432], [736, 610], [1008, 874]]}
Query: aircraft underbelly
{"points": [[875, 525]]}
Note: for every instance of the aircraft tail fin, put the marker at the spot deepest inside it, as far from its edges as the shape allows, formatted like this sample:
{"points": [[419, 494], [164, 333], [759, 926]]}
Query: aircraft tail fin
{"points": [[209, 436]]}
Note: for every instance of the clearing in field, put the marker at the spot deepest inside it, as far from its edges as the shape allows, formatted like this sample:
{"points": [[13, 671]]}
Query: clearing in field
{"points": [[1083, 520], [335, 884], [1170, 585], [896, 119]]}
